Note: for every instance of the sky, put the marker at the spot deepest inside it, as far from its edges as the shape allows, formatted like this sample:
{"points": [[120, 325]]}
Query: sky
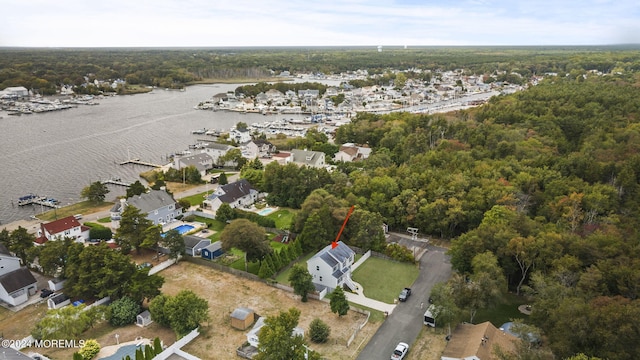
{"points": [[225, 23]]}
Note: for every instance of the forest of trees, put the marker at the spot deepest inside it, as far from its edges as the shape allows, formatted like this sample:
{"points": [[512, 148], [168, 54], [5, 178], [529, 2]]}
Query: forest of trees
{"points": [[44, 70]]}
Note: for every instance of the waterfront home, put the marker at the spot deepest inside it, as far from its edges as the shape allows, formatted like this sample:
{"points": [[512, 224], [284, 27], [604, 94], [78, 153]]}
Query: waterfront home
{"points": [[201, 161], [159, 206], [259, 148], [241, 136], [236, 194], [16, 281], [331, 267], [217, 150], [68, 227]]}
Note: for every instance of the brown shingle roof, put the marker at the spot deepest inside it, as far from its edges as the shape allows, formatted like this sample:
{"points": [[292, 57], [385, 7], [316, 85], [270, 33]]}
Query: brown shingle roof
{"points": [[478, 340]]}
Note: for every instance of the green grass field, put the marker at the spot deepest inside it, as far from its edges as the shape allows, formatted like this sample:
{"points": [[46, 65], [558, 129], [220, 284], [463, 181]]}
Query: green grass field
{"points": [[502, 313], [197, 199], [283, 277], [383, 279], [283, 218]]}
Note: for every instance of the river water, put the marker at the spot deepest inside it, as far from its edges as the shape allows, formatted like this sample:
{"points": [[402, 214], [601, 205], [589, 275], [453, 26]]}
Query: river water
{"points": [[56, 154]]}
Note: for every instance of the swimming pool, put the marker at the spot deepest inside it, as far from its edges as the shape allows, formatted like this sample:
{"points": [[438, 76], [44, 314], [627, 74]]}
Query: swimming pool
{"points": [[184, 228], [266, 211], [122, 352]]}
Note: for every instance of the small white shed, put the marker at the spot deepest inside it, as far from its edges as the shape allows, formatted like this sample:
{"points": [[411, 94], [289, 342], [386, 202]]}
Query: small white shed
{"points": [[144, 319]]}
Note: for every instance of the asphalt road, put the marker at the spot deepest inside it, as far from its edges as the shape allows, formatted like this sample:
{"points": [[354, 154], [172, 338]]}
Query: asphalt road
{"points": [[405, 323]]}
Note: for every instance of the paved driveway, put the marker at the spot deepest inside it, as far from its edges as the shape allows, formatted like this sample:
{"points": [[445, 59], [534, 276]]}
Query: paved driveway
{"points": [[405, 323]]}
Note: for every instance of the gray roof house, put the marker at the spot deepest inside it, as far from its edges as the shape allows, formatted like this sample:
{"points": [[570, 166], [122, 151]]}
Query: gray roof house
{"points": [[331, 267], [236, 194], [159, 206], [216, 150], [16, 281], [201, 161], [193, 244], [309, 158]]}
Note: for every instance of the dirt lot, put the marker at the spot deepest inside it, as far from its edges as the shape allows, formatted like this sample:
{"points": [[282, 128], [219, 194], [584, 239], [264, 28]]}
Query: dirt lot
{"points": [[225, 292]]}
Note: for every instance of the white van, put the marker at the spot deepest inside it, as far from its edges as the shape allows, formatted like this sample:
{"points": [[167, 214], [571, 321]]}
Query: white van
{"points": [[429, 316]]}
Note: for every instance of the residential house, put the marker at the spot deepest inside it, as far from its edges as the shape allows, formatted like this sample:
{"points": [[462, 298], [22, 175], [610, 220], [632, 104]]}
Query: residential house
{"points": [[237, 194], [350, 152], [193, 245], [252, 336], [314, 159], [212, 251], [331, 267], [477, 342], [159, 206], [240, 136], [68, 227], [201, 161], [216, 150], [259, 148], [16, 281]]}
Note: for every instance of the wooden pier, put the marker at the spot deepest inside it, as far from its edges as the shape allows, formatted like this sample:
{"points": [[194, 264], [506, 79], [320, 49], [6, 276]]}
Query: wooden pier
{"points": [[117, 182], [47, 203], [140, 162]]}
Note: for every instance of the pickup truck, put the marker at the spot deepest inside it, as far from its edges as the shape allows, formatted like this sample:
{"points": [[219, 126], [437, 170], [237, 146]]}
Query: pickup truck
{"points": [[404, 294]]}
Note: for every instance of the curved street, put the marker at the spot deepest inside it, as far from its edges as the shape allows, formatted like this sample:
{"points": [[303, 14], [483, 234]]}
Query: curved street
{"points": [[405, 323]]}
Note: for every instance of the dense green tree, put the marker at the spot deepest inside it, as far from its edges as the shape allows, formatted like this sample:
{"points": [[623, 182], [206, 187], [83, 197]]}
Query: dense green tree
{"points": [[319, 331], [338, 302], [174, 242], [90, 349], [142, 286], [54, 255], [132, 232], [157, 310], [98, 271], [95, 193], [301, 281], [245, 235], [21, 244], [136, 189], [225, 213], [124, 311], [277, 341], [68, 322], [222, 180], [186, 311]]}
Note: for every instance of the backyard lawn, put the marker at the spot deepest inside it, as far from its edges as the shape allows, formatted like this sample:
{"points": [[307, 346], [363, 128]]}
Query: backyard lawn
{"points": [[196, 199], [505, 312], [283, 277], [383, 279], [283, 218]]}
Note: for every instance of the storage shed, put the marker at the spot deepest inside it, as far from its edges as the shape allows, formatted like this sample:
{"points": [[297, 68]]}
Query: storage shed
{"points": [[57, 301], [212, 251], [144, 319], [242, 318], [193, 245]]}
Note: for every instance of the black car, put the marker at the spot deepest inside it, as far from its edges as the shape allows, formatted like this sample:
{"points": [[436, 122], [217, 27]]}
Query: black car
{"points": [[45, 293]]}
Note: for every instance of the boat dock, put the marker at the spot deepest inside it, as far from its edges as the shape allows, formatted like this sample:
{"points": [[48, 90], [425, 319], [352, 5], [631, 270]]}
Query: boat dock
{"points": [[116, 181], [139, 162], [52, 203]]}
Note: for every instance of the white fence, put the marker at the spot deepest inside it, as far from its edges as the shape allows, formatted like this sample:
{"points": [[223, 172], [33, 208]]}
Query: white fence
{"points": [[163, 265], [362, 259], [176, 346]]}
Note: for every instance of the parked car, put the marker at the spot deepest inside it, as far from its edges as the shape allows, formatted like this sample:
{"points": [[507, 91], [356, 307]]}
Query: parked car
{"points": [[404, 294], [400, 351], [45, 293]]}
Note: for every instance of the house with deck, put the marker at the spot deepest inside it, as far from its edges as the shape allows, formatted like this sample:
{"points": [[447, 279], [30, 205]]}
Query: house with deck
{"points": [[309, 158], [17, 283], [68, 227], [159, 205], [201, 161], [331, 267]]}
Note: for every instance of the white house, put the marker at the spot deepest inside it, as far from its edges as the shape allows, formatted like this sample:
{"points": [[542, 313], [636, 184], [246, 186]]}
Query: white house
{"points": [[236, 194], [252, 336], [314, 159], [159, 206], [259, 148], [201, 161], [350, 152], [331, 267], [16, 281], [241, 136], [68, 227], [216, 150]]}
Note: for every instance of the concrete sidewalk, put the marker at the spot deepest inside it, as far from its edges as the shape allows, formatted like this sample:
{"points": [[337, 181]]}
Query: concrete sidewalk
{"points": [[360, 299]]}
